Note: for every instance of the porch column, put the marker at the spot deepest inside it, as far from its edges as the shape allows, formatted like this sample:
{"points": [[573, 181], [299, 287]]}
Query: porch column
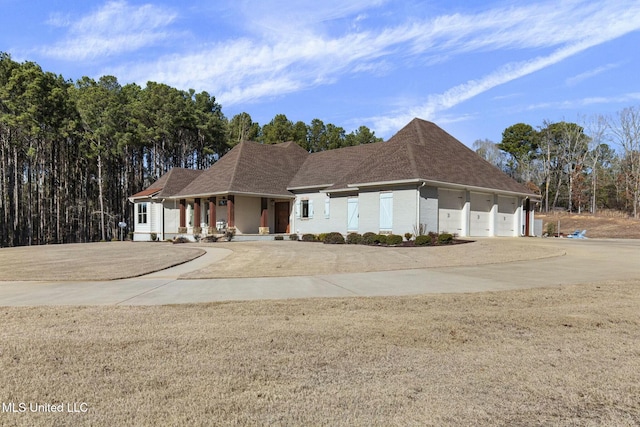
{"points": [[212, 214], [263, 216], [197, 216], [183, 213], [231, 211]]}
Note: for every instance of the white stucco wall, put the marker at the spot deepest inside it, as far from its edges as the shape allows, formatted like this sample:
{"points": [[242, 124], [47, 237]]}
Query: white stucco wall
{"points": [[247, 214], [369, 212], [318, 223], [429, 208], [405, 210]]}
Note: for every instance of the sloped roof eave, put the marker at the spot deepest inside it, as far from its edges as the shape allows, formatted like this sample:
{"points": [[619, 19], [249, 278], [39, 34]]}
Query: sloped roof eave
{"points": [[441, 184]]}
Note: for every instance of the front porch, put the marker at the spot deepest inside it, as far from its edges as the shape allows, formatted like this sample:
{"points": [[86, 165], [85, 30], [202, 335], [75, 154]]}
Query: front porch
{"points": [[247, 215]]}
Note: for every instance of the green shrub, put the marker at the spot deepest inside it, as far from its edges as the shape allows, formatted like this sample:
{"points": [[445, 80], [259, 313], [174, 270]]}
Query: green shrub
{"points": [[154, 237], [278, 238], [209, 239], [293, 236], [354, 239], [181, 240], [423, 240], [230, 233], [320, 237], [380, 238], [394, 239], [334, 238], [445, 238], [368, 238], [408, 236], [308, 237]]}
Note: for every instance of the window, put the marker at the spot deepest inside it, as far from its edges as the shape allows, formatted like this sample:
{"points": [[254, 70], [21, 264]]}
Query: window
{"points": [[327, 205], [304, 209], [142, 213]]}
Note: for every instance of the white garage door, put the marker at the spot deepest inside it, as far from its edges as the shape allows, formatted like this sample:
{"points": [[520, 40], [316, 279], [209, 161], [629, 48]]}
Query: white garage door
{"points": [[506, 220], [480, 215], [450, 204]]}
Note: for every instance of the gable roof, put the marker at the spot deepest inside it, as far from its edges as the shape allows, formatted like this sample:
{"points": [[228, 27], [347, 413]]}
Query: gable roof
{"points": [[250, 168], [170, 183]]}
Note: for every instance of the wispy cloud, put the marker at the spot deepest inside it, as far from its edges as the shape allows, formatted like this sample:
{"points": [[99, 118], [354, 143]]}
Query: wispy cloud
{"points": [[291, 46], [572, 81], [115, 28], [585, 102], [613, 23]]}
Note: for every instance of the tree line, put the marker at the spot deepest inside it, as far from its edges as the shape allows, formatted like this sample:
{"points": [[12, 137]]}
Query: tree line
{"points": [[585, 166], [72, 152]]}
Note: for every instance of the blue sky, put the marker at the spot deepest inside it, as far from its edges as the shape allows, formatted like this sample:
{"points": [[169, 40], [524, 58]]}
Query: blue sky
{"points": [[472, 67]]}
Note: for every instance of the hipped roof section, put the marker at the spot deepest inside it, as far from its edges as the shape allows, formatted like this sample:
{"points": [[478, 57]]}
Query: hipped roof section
{"points": [[250, 168], [421, 151], [170, 183]]}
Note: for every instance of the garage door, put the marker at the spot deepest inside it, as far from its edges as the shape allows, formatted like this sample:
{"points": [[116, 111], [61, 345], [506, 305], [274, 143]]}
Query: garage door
{"points": [[506, 220], [480, 215], [450, 204]]}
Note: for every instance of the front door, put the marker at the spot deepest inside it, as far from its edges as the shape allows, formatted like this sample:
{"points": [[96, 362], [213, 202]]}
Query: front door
{"points": [[282, 217]]}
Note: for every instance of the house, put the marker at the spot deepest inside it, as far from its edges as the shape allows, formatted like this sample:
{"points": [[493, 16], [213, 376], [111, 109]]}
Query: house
{"points": [[421, 176]]}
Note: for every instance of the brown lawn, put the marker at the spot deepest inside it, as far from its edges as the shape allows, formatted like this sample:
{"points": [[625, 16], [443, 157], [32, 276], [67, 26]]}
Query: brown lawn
{"points": [[561, 356], [91, 261], [612, 225]]}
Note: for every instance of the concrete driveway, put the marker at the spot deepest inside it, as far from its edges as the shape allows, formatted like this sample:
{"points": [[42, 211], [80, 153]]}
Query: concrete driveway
{"points": [[585, 261]]}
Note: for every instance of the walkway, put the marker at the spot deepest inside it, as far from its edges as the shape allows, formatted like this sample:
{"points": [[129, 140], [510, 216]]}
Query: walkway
{"points": [[586, 261]]}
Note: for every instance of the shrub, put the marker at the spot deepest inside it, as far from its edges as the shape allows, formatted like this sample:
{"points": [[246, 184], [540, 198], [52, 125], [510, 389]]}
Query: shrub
{"points": [[423, 240], [229, 234], [380, 238], [320, 237], [445, 238], [278, 238], [293, 236], [154, 237], [368, 238], [334, 238], [308, 237], [408, 236], [354, 239], [209, 239], [181, 239], [394, 239]]}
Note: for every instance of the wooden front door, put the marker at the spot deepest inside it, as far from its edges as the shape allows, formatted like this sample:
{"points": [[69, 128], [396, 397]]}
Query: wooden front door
{"points": [[282, 217]]}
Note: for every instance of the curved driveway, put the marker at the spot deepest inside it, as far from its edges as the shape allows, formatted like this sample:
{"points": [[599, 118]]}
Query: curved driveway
{"points": [[586, 261]]}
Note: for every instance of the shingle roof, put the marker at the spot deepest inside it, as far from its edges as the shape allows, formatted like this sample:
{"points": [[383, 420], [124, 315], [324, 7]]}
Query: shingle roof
{"points": [[423, 151], [251, 168], [420, 151], [324, 168], [170, 183]]}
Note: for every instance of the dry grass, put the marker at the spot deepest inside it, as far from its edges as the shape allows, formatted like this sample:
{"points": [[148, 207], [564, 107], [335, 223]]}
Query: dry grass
{"points": [[286, 258], [560, 356], [606, 224], [91, 261]]}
